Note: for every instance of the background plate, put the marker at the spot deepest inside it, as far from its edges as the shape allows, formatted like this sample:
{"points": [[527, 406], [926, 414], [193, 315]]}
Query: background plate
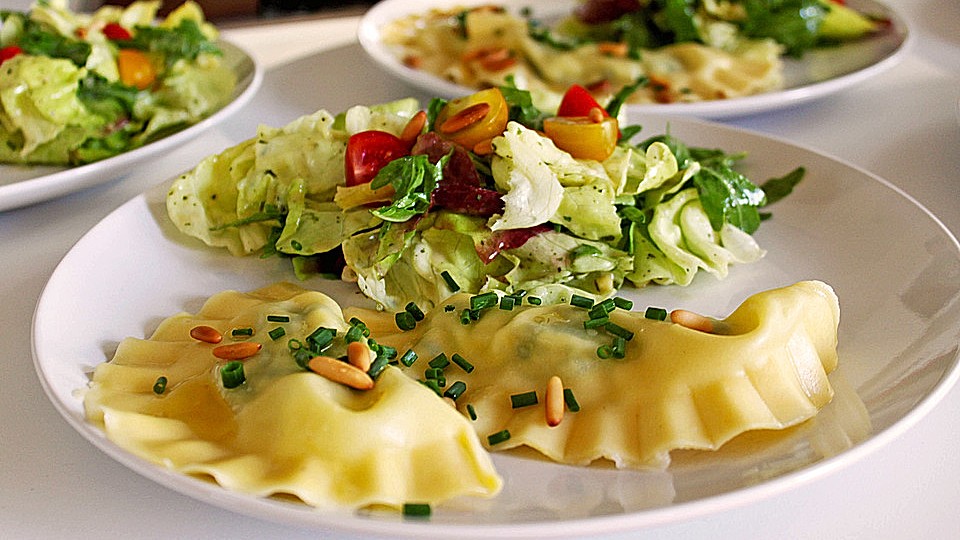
{"points": [[21, 185], [819, 73], [894, 266]]}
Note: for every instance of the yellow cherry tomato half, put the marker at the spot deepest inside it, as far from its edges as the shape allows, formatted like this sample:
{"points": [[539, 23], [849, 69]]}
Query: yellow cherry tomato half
{"points": [[136, 69], [474, 119], [583, 137]]}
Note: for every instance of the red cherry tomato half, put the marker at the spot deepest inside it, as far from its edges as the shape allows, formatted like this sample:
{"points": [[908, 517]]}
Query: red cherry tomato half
{"points": [[578, 101], [115, 32], [9, 52], [370, 151]]}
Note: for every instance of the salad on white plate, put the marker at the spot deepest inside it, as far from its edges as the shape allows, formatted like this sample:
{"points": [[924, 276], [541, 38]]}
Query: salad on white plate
{"points": [[484, 192]]}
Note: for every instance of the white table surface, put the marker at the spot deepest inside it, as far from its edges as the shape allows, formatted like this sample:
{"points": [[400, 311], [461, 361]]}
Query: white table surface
{"points": [[903, 125]]}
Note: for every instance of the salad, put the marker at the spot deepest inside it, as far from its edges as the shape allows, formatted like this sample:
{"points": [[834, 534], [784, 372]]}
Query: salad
{"points": [[77, 88], [484, 192], [682, 50]]}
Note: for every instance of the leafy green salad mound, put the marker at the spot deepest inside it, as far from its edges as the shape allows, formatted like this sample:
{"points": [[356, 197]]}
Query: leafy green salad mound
{"points": [[655, 212], [77, 88]]}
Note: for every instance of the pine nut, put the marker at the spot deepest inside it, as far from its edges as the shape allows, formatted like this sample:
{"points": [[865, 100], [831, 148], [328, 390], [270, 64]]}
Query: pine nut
{"points": [[237, 351], [613, 48], [413, 61], [553, 401], [358, 355], [693, 321], [340, 372], [483, 148], [465, 118], [414, 127], [207, 334], [595, 115]]}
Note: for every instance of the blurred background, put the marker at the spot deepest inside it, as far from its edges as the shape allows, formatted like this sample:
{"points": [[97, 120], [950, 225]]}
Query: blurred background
{"points": [[227, 11]]}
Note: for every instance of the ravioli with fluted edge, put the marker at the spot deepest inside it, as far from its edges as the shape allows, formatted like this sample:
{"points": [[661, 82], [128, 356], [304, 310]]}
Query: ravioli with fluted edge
{"points": [[763, 367], [284, 430]]}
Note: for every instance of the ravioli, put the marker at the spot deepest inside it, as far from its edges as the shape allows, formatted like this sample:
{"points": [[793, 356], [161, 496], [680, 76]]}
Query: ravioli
{"points": [[486, 47], [674, 388], [285, 430]]}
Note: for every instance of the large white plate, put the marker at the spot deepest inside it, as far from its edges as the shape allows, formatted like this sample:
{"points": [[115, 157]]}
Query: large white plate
{"points": [[893, 265], [24, 185], [817, 74]]}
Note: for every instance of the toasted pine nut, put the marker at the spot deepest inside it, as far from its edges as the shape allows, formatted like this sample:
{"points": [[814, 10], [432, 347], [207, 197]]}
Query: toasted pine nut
{"points": [[340, 372], [498, 62], [553, 401], [413, 61], [595, 115], [207, 334], [358, 355], [483, 148], [237, 351], [613, 48], [692, 320], [414, 127], [465, 118]]}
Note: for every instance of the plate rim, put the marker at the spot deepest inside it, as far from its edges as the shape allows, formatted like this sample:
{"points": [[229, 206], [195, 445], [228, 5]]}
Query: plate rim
{"points": [[68, 180], [368, 33], [673, 513]]}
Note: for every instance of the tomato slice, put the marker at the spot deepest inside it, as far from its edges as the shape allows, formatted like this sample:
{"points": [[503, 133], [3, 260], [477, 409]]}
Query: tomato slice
{"points": [[115, 32], [456, 123], [135, 68], [368, 152], [583, 137], [9, 52], [577, 101]]}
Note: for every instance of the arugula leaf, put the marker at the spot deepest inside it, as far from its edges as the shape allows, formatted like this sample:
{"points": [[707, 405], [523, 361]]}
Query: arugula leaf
{"points": [[616, 103], [413, 178], [678, 17], [794, 23], [520, 103], [111, 100], [39, 41], [185, 42], [728, 196], [778, 188]]}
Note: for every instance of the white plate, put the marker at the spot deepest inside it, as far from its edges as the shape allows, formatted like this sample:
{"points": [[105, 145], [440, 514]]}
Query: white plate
{"points": [[24, 185], [893, 265], [818, 73]]}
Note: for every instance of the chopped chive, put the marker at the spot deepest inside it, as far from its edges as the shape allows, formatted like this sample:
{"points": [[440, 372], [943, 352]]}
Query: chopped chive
{"points": [[465, 317], [405, 321], [596, 323], [524, 399], [320, 338], [377, 366], [456, 390], [471, 411], [462, 362], [619, 347], [237, 332], [449, 307], [534, 300], [607, 305], [414, 311], [277, 333], [570, 400], [623, 303], [232, 374], [498, 437], [355, 333], [604, 351], [618, 330], [416, 510], [386, 350], [160, 386], [451, 283], [483, 301], [581, 301], [278, 318], [432, 384], [439, 361], [408, 358], [655, 313], [433, 373], [507, 303]]}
